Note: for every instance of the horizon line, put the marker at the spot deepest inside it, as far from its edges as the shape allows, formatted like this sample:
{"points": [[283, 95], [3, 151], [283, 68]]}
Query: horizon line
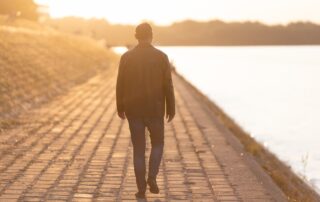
{"points": [[189, 19]]}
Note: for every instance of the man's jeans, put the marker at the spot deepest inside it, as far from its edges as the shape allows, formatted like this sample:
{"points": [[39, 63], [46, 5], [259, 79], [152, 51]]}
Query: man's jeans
{"points": [[137, 130]]}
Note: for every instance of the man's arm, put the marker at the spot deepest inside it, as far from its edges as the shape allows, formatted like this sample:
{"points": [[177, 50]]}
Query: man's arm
{"points": [[120, 89], [169, 91]]}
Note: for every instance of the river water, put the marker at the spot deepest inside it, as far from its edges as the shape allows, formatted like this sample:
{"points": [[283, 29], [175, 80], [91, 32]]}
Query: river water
{"points": [[273, 92]]}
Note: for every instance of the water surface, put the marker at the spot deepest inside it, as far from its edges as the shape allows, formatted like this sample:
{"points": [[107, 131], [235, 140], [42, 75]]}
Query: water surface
{"points": [[273, 92]]}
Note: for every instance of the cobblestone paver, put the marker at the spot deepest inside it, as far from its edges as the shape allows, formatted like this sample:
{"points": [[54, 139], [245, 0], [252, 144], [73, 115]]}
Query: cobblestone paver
{"points": [[77, 149]]}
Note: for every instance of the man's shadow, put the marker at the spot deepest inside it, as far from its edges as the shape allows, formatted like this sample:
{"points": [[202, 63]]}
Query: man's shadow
{"points": [[146, 200]]}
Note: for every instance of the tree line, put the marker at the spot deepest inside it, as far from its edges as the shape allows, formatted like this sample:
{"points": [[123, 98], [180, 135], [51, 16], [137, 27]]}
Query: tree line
{"points": [[194, 33], [188, 32], [26, 9]]}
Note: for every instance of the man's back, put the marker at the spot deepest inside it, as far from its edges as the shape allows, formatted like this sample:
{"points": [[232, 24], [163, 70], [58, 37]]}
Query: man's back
{"points": [[144, 83], [144, 88]]}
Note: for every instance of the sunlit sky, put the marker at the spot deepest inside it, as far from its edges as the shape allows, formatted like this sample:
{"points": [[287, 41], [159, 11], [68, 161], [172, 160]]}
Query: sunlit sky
{"points": [[164, 12]]}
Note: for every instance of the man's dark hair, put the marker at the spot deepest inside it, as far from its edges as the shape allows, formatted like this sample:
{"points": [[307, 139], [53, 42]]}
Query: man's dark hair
{"points": [[143, 31]]}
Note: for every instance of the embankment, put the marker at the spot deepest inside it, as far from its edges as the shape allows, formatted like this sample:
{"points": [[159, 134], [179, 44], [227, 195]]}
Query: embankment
{"points": [[292, 185], [37, 64]]}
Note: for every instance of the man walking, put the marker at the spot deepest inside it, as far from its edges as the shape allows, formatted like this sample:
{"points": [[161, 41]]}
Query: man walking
{"points": [[144, 95]]}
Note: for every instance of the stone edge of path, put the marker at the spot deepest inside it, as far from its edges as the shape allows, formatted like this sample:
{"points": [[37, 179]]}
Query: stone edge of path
{"points": [[218, 117]]}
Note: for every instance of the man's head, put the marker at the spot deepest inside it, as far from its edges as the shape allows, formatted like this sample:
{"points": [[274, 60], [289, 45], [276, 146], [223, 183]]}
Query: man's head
{"points": [[144, 33]]}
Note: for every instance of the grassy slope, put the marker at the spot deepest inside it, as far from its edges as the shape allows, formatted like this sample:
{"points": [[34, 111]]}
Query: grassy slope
{"points": [[37, 64]]}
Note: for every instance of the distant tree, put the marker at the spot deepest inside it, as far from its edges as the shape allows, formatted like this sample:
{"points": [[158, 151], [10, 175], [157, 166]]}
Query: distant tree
{"points": [[191, 33], [23, 8]]}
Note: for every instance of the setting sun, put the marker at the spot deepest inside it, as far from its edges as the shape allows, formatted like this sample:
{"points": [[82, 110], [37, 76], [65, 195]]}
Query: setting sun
{"points": [[167, 11], [159, 100]]}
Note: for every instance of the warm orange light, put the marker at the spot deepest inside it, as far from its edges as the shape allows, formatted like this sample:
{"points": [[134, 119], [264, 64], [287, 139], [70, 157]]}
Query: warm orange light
{"points": [[168, 11]]}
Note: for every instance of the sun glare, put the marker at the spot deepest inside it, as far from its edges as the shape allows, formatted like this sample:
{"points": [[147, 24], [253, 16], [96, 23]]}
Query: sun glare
{"points": [[120, 11], [167, 11]]}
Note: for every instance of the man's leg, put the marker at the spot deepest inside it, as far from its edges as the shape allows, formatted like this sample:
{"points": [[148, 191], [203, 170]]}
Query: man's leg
{"points": [[137, 130], [156, 129]]}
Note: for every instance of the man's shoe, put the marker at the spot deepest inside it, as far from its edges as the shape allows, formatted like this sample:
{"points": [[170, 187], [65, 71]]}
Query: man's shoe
{"points": [[153, 186], [140, 195]]}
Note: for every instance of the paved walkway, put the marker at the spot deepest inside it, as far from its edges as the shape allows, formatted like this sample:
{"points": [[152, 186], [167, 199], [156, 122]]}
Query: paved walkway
{"points": [[76, 149]]}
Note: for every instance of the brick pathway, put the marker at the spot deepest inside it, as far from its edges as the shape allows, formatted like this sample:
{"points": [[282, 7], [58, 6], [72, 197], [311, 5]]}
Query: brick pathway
{"points": [[76, 149]]}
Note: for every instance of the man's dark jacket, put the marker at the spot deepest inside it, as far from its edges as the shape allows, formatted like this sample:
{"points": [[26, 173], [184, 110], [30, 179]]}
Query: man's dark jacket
{"points": [[144, 83]]}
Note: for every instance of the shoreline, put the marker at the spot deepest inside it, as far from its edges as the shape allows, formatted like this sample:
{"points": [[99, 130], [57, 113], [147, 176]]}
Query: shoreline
{"points": [[295, 188]]}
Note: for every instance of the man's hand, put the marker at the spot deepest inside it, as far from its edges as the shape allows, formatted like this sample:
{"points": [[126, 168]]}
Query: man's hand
{"points": [[169, 117], [122, 115]]}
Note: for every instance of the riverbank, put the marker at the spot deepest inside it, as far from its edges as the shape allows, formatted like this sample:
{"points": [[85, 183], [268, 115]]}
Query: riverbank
{"points": [[292, 185], [76, 148], [38, 64], [60, 62]]}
